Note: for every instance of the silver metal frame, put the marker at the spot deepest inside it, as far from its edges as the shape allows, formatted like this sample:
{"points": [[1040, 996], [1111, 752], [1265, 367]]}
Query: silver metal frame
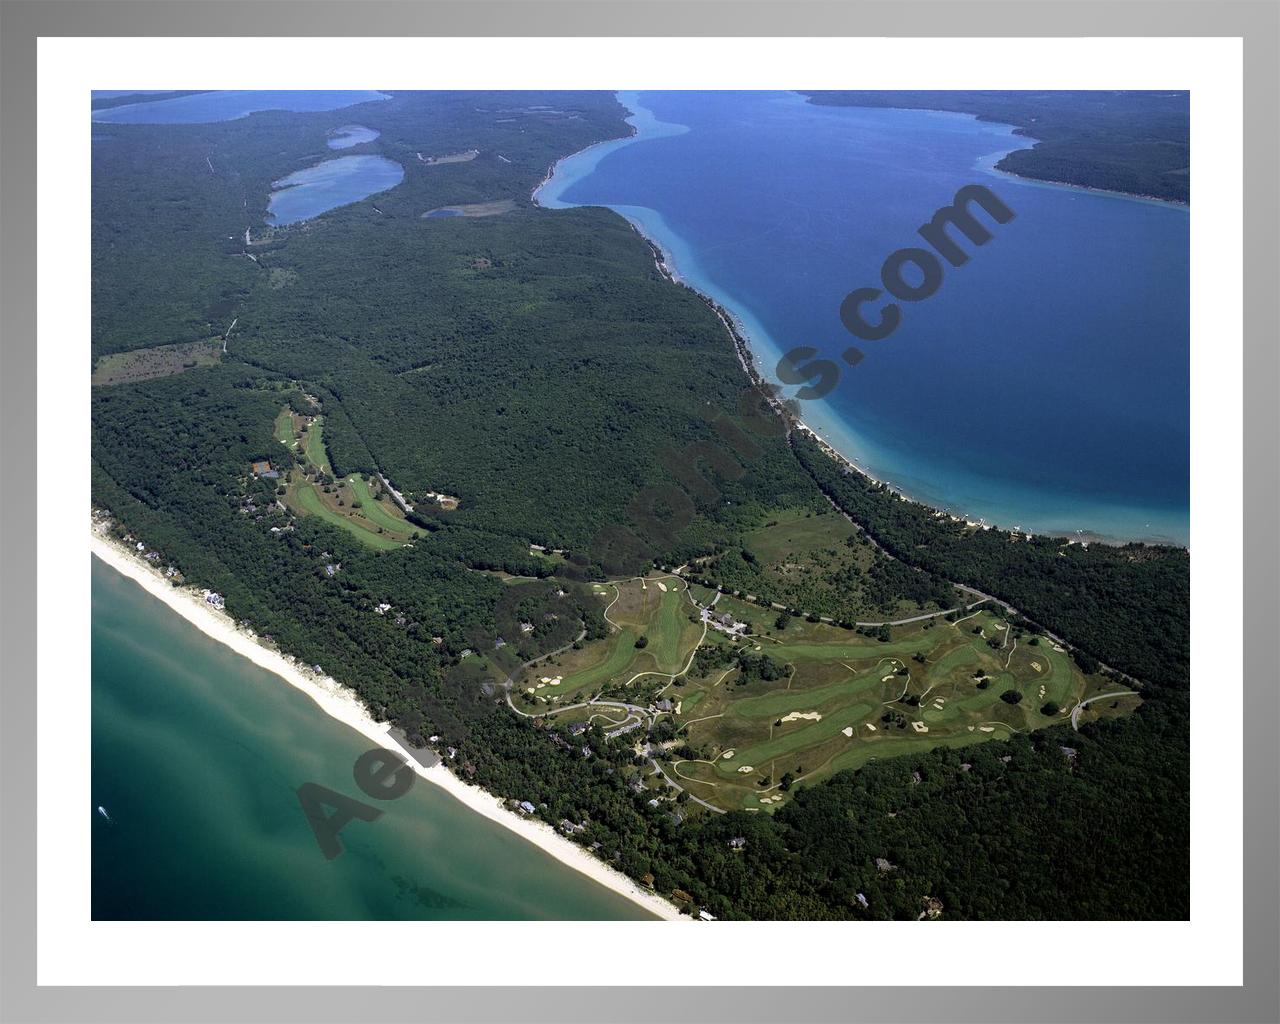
{"points": [[1256, 21]]}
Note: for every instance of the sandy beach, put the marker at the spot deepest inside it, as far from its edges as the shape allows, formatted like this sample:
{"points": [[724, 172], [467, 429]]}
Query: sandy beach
{"points": [[340, 703]]}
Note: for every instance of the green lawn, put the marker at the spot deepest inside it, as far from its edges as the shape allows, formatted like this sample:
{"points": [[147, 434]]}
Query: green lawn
{"points": [[311, 503], [315, 446], [620, 658], [284, 428], [773, 705], [851, 651], [843, 680], [667, 628], [796, 535], [793, 737], [372, 509]]}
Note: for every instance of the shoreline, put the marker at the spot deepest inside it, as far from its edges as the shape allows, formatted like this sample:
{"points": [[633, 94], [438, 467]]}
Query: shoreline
{"points": [[345, 706], [746, 354], [794, 422], [1015, 131]]}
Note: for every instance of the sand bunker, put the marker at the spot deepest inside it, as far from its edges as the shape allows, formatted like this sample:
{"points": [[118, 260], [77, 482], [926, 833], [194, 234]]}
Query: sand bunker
{"points": [[1036, 665], [727, 754], [662, 586], [797, 715], [919, 727], [848, 730], [987, 728], [745, 769]]}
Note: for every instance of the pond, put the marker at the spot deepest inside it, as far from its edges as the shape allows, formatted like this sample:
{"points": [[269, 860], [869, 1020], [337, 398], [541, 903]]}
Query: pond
{"points": [[328, 185], [351, 135]]}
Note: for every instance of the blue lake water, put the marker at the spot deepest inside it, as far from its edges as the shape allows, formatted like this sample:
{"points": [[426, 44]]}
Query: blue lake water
{"points": [[1045, 385], [229, 105], [333, 183], [351, 135]]}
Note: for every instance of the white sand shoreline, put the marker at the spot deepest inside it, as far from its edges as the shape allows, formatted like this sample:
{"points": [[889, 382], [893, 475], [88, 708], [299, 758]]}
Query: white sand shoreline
{"points": [[340, 703]]}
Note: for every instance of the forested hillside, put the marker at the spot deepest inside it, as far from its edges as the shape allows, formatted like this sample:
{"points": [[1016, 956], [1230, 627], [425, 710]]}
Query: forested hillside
{"points": [[538, 367]]}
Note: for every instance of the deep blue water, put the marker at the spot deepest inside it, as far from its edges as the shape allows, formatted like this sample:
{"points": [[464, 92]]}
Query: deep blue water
{"points": [[351, 135], [229, 105], [1045, 385], [310, 192]]}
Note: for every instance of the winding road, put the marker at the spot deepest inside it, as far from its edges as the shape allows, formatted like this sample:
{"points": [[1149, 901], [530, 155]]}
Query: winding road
{"points": [[1075, 712]]}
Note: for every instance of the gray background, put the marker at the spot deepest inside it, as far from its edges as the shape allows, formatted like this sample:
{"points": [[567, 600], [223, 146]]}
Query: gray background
{"points": [[1257, 21]]}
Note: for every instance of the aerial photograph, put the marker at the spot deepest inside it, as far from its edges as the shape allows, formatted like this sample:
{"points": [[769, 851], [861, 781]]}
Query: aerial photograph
{"points": [[659, 505]]}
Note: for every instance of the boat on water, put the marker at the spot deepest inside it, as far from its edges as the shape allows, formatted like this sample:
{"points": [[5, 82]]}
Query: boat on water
{"points": [[103, 811]]}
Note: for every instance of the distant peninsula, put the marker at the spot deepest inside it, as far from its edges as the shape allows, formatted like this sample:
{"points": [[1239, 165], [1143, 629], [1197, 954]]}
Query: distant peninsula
{"points": [[1138, 143]]}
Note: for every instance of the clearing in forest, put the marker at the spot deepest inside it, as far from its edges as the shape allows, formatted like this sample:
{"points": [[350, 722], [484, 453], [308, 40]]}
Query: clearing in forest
{"points": [[151, 363], [352, 504]]}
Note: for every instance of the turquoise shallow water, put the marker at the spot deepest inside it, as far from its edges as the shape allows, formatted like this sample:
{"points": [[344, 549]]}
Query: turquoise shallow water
{"points": [[197, 754], [1045, 385]]}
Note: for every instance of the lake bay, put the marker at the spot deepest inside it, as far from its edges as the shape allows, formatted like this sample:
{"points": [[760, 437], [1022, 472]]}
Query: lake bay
{"points": [[1045, 385]]}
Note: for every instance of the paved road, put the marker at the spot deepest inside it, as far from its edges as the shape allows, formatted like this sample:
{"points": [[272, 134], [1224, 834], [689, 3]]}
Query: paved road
{"points": [[631, 709], [890, 622], [1075, 712], [657, 770], [980, 596]]}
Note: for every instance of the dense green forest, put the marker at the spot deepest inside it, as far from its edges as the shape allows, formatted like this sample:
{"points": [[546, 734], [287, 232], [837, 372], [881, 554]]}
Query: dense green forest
{"points": [[1135, 142], [537, 366]]}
